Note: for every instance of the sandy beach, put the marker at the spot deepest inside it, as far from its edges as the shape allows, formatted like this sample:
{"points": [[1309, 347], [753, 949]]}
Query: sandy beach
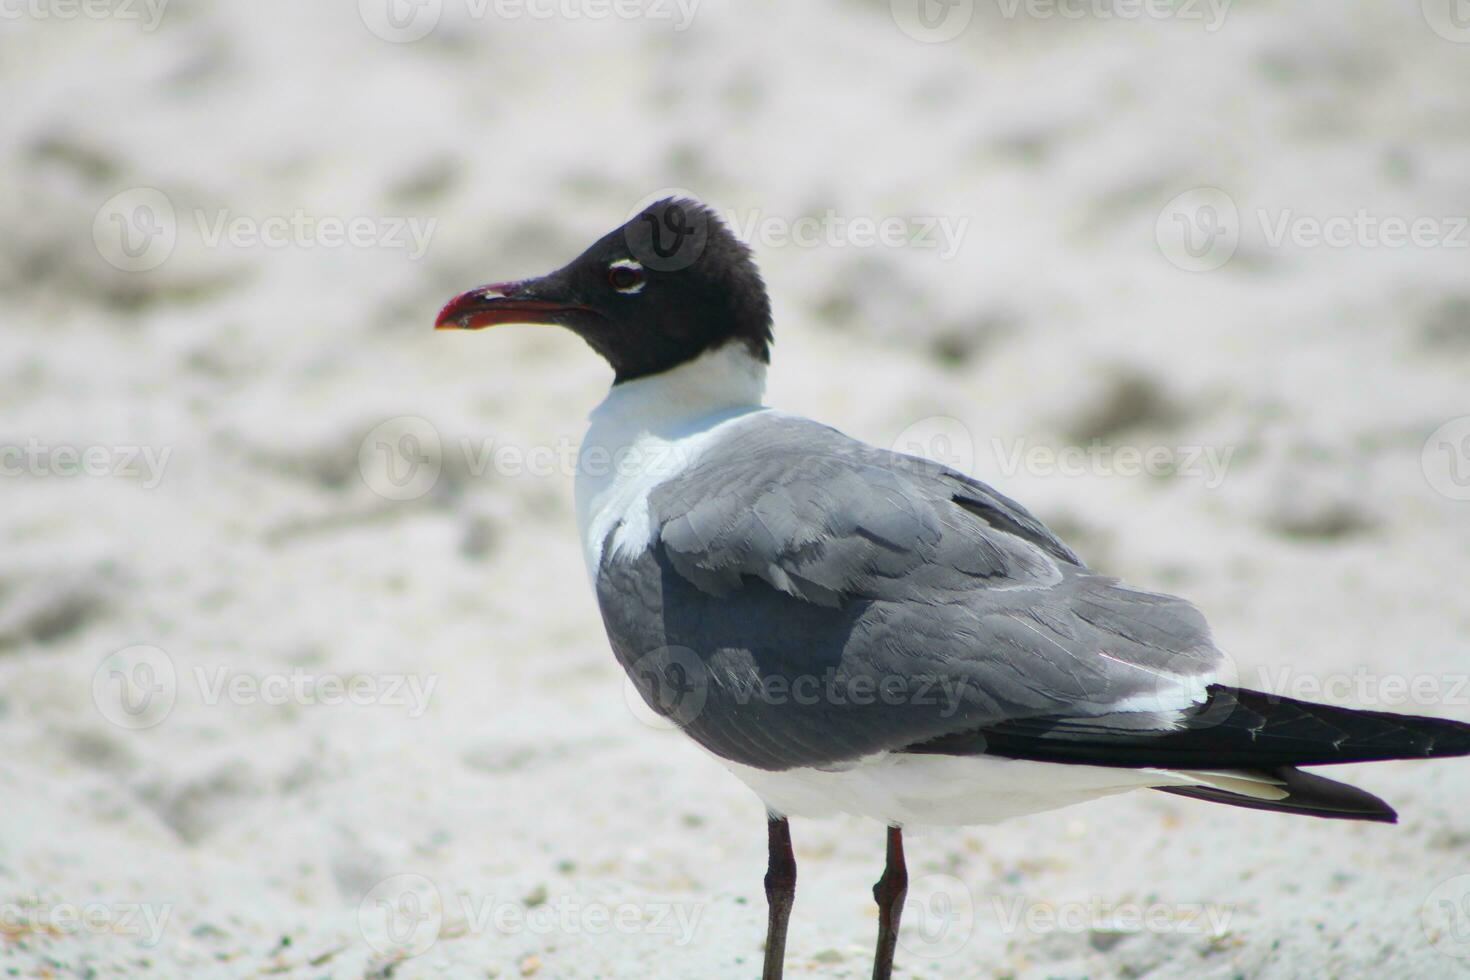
{"points": [[296, 642]]}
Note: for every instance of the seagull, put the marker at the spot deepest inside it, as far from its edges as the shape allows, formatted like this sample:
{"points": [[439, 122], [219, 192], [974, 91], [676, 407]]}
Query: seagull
{"points": [[851, 630]]}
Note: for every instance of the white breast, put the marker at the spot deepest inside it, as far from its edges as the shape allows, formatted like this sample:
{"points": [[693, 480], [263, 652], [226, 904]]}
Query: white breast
{"points": [[650, 430]]}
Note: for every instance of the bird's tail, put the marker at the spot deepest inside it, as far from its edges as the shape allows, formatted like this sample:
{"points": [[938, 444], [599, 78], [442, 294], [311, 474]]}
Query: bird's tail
{"points": [[1288, 790], [1252, 743]]}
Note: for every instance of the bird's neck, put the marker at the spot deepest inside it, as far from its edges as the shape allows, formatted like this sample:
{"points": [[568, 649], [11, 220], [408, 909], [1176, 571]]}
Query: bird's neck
{"points": [[716, 383], [651, 429]]}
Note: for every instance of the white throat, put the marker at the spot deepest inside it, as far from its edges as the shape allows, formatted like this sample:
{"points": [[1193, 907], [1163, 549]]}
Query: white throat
{"points": [[651, 429], [720, 379]]}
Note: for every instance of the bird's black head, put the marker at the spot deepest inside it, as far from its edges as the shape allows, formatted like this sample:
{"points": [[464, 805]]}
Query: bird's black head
{"points": [[664, 288]]}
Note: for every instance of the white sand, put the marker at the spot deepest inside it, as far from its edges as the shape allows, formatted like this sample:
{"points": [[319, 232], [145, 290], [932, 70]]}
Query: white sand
{"points": [[252, 832]]}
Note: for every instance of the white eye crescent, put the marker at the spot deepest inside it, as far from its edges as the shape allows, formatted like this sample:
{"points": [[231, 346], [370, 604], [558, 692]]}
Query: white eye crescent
{"points": [[626, 276]]}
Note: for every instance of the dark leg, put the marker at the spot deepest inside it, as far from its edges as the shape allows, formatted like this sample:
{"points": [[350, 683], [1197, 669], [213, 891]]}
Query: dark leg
{"points": [[780, 893], [889, 893]]}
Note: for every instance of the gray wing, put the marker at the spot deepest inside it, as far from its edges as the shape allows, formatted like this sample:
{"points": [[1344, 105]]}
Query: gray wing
{"points": [[806, 600]]}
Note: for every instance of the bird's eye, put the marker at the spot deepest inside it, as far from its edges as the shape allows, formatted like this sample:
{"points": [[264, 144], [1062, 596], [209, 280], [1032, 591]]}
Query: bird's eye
{"points": [[626, 276]]}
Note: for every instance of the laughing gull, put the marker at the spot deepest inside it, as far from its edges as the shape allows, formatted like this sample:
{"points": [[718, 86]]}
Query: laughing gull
{"points": [[852, 630]]}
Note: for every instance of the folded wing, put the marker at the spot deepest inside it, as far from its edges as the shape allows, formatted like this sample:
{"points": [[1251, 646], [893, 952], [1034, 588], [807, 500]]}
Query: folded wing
{"points": [[816, 600]]}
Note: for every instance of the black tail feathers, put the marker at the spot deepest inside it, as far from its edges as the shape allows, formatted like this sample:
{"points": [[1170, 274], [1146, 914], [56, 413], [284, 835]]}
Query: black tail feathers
{"points": [[1307, 794], [1236, 729]]}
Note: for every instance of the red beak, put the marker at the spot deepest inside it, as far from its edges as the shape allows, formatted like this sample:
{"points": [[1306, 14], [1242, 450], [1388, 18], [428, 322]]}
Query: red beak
{"points": [[499, 302]]}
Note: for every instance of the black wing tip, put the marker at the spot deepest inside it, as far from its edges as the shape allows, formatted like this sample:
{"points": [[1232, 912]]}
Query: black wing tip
{"points": [[1235, 728], [1365, 735]]}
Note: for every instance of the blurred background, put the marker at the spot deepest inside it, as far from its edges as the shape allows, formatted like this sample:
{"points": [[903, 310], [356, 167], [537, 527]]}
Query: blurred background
{"points": [[299, 672]]}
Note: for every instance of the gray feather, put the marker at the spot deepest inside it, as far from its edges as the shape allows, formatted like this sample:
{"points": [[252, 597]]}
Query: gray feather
{"points": [[793, 554]]}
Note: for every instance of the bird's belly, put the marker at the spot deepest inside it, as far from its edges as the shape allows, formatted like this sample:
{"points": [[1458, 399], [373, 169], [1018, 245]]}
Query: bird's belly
{"points": [[937, 790]]}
